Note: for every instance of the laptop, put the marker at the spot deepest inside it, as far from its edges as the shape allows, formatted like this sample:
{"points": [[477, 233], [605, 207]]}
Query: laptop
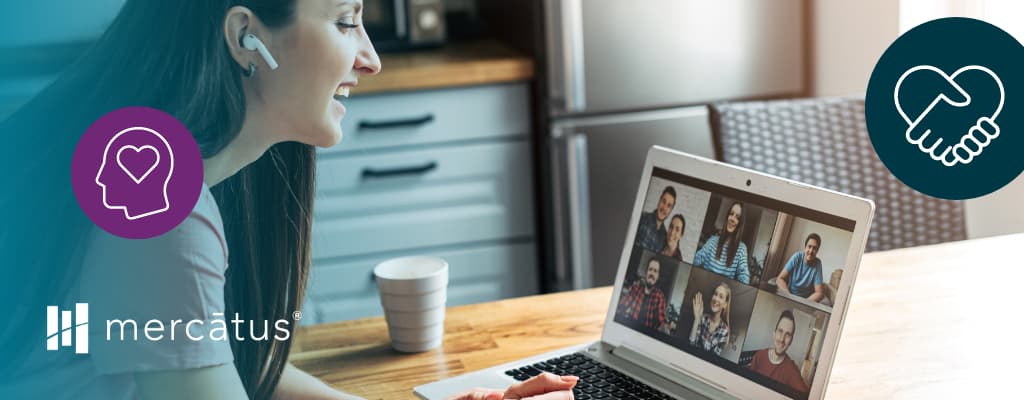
{"points": [[732, 284]]}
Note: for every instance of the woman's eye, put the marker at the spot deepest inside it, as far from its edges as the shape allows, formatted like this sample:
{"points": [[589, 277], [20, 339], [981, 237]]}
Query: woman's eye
{"points": [[346, 23]]}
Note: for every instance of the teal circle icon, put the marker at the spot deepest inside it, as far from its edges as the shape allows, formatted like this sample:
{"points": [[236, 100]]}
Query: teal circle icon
{"points": [[944, 108]]}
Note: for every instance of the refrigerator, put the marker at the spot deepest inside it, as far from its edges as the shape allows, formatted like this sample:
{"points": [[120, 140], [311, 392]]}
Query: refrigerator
{"points": [[622, 76]]}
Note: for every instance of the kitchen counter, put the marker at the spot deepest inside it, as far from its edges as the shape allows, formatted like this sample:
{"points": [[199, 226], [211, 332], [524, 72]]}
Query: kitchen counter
{"points": [[476, 62]]}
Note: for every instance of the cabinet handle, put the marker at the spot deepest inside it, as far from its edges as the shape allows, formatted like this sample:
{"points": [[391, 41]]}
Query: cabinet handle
{"points": [[369, 173], [396, 123]]}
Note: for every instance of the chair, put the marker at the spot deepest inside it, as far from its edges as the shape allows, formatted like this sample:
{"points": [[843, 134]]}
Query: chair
{"points": [[824, 142]]}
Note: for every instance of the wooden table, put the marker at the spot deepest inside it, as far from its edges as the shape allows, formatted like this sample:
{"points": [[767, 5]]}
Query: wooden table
{"points": [[929, 322]]}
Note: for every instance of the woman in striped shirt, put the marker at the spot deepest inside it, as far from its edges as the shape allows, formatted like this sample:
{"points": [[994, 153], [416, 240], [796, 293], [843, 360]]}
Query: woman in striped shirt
{"points": [[724, 253]]}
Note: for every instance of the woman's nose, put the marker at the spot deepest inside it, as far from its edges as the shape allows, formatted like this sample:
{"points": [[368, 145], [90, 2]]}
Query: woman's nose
{"points": [[367, 61]]}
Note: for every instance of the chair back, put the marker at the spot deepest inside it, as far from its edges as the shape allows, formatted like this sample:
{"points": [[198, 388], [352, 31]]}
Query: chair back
{"points": [[824, 142]]}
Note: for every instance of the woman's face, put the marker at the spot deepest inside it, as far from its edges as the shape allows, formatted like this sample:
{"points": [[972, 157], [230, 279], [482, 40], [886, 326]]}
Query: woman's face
{"points": [[321, 54], [675, 230], [720, 299], [735, 213]]}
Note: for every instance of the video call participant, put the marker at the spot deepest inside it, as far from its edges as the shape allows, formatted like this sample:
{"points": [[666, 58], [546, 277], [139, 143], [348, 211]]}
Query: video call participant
{"points": [[710, 331], [802, 274], [650, 233], [774, 363], [675, 234], [732, 262], [645, 302]]}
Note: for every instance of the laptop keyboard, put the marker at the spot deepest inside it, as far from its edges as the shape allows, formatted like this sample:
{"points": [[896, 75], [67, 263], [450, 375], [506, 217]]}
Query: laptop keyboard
{"points": [[596, 380]]}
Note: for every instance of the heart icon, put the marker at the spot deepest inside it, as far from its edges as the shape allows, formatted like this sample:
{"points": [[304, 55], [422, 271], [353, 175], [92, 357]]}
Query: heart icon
{"points": [[139, 162]]}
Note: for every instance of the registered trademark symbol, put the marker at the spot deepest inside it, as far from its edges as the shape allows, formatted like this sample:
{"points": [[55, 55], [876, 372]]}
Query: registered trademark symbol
{"points": [[297, 315]]}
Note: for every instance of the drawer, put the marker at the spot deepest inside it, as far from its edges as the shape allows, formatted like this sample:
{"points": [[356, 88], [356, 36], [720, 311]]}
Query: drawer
{"points": [[434, 116], [407, 199], [345, 289]]}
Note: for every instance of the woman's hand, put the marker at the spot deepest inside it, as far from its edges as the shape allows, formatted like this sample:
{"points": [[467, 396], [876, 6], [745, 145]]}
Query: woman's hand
{"points": [[698, 307], [698, 311], [546, 386]]}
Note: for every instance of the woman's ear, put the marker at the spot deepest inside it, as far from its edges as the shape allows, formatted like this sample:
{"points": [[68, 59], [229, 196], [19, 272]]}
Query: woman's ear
{"points": [[238, 21]]}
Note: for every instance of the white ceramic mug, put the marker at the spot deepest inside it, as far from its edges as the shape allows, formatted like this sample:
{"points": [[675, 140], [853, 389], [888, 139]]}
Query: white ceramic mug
{"points": [[413, 292]]}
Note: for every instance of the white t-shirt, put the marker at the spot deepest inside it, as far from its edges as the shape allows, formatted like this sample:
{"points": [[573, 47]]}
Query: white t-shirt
{"points": [[176, 276]]}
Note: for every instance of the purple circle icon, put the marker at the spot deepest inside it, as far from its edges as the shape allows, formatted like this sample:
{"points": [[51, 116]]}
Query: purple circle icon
{"points": [[137, 172]]}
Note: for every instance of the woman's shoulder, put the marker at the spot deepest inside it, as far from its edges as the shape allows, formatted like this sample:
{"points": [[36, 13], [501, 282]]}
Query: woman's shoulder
{"points": [[197, 242], [179, 275]]}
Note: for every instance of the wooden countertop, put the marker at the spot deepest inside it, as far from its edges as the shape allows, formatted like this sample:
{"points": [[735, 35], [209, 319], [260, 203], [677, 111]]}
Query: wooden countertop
{"points": [[356, 356], [926, 322], [457, 64]]}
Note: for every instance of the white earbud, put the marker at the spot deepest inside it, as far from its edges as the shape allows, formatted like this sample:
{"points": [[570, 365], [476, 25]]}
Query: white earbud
{"points": [[253, 43]]}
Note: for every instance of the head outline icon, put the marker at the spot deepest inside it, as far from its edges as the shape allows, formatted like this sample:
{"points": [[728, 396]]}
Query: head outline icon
{"points": [[166, 205]]}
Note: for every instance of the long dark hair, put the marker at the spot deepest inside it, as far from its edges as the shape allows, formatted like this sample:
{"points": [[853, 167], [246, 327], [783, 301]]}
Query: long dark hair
{"points": [[733, 238], [168, 55]]}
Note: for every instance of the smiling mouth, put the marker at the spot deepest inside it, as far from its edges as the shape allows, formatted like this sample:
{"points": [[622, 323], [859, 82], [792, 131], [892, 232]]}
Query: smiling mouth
{"points": [[342, 91]]}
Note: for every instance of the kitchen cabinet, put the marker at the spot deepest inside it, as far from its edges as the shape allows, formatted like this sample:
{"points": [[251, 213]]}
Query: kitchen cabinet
{"points": [[446, 172]]}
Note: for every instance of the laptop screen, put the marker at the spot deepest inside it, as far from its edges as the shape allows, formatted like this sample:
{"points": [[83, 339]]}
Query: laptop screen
{"points": [[740, 280]]}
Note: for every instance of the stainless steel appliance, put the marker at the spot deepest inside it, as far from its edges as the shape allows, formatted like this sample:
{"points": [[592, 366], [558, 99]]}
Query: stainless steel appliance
{"points": [[404, 24], [622, 76]]}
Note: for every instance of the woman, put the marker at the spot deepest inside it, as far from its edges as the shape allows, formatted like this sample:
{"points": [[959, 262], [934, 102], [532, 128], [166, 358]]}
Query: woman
{"points": [[256, 128], [724, 253], [710, 331], [675, 233]]}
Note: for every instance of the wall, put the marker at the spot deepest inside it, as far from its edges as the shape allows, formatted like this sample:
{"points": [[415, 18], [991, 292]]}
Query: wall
{"points": [[998, 213], [764, 235], [679, 287], [848, 37]]}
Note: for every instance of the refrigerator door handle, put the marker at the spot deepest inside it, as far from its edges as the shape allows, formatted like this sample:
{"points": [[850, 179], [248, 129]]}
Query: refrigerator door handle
{"points": [[564, 25], [579, 210]]}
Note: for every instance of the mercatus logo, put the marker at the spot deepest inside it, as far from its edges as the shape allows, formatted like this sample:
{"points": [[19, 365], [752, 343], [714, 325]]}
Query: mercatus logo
{"points": [[81, 331], [59, 332]]}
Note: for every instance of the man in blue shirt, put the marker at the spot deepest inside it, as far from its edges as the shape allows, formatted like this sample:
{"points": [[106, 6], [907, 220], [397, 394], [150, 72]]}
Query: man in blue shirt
{"points": [[802, 274], [650, 232]]}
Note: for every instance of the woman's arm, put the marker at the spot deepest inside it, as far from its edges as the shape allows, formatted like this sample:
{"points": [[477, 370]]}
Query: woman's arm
{"points": [[698, 312], [741, 264], [208, 383], [296, 384], [546, 386]]}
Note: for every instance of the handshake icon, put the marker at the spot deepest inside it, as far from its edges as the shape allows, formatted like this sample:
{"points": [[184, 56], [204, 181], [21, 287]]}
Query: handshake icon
{"points": [[952, 111]]}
